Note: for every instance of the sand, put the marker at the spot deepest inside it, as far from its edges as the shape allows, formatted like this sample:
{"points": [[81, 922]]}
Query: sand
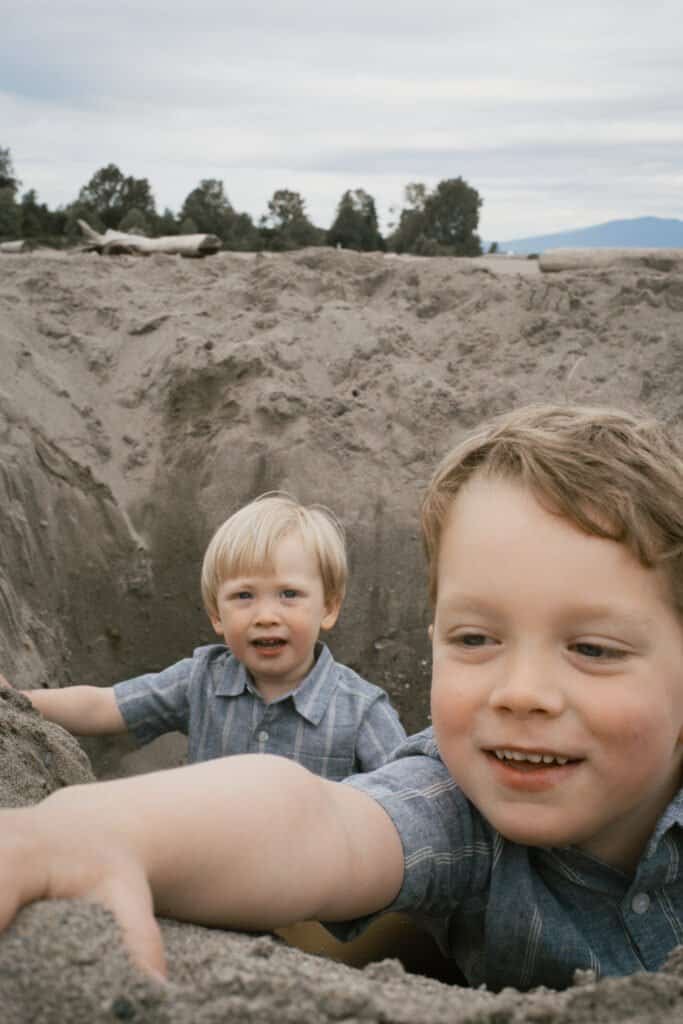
{"points": [[143, 400]]}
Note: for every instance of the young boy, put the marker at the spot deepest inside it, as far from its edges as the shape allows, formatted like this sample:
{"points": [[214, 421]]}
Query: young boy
{"points": [[274, 576], [540, 828]]}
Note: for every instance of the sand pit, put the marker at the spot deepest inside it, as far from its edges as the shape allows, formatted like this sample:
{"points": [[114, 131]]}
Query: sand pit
{"points": [[63, 961], [141, 401]]}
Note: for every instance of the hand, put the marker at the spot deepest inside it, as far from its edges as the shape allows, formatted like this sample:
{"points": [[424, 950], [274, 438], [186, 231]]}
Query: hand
{"points": [[42, 856], [5, 682]]}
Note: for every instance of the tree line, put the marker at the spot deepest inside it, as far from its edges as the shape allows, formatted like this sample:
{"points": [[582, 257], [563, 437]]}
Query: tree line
{"points": [[440, 222]]}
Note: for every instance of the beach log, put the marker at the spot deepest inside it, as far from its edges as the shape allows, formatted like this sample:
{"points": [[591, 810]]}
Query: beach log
{"points": [[119, 243], [597, 259], [19, 246]]}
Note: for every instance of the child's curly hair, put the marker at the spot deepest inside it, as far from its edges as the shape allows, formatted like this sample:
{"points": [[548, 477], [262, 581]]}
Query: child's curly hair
{"points": [[611, 473]]}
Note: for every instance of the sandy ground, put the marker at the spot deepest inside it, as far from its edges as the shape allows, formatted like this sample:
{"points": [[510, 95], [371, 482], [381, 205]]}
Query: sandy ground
{"points": [[141, 401]]}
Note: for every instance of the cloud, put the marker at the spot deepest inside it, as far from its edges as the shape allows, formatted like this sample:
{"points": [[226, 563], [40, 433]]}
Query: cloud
{"points": [[540, 107]]}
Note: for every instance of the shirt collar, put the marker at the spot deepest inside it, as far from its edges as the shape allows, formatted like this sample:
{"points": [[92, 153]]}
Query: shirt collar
{"points": [[311, 696], [673, 815]]}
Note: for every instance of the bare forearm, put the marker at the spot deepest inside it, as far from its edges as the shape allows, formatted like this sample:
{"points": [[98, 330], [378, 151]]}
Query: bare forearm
{"points": [[249, 842], [85, 710]]}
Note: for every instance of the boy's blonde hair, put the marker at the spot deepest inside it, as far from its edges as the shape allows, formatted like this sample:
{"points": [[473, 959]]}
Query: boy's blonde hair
{"points": [[611, 473], [245, 543]]}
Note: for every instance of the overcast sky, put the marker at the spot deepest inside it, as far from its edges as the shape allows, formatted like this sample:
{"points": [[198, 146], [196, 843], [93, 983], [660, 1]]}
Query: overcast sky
{"points": [[560, 114]]}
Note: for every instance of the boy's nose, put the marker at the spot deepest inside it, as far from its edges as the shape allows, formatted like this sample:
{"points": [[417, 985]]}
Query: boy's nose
{"points": [[266, 612], [528, 683]]}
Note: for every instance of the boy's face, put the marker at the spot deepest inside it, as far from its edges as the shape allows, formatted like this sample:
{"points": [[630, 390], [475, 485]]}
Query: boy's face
{"points": [[271, 619], [557, 694]]}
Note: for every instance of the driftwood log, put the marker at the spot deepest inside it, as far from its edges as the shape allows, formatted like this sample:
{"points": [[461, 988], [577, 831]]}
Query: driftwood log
{"points": [[120, 243], [596, 259], [19, 246]]}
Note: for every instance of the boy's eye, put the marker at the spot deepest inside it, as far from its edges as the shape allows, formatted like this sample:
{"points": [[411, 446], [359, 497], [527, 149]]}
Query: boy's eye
{"points": [[242, 595], [290, 592], [597, 652], [473, 639]]}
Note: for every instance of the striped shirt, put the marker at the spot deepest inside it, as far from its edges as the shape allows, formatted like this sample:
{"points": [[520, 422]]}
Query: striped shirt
{"points": [[517, 915], [335, 723]]}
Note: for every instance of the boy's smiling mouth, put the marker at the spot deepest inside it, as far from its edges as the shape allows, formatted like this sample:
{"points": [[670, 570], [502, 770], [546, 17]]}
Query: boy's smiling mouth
{"points": [[522, 757], [269, 643], [511, 762]]}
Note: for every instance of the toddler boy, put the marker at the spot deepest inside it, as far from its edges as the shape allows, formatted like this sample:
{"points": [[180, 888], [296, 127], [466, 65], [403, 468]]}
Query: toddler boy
{"points": [[539, 828], [274, 575]]}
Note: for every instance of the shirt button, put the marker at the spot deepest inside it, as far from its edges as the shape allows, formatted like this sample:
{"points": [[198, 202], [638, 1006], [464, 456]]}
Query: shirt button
{"points": [[640, 903], [263, 736]]}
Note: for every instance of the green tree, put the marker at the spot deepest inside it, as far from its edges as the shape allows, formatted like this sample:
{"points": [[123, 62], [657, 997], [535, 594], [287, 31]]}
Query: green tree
{"points": [[81, 211], [101, 197], [452, 213], [188, 227], [135, 222], [439, 223], [286, 225], [209, 210], [416, 194], [409, 233], [355, 226], [208, 207], [10, 215], [8, 178], [167, 223], [110, 195], [38, 222]]}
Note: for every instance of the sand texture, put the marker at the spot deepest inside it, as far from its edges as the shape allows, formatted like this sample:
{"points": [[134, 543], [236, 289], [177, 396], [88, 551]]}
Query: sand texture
{"points": [[143, 400], [36, 757]]}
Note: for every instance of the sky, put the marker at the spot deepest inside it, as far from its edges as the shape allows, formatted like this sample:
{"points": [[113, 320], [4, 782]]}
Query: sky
{"points": [[561, 115]]}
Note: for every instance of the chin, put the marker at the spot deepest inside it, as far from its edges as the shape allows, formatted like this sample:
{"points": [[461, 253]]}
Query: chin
{"points": [[534, 833]]}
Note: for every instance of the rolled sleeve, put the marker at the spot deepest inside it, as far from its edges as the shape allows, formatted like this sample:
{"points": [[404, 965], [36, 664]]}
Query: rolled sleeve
{"points": [[446, 852], [156, 703]]}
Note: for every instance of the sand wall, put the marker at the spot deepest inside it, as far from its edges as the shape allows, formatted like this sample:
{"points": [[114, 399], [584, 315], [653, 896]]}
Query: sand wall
{"points": [[142, 400]]}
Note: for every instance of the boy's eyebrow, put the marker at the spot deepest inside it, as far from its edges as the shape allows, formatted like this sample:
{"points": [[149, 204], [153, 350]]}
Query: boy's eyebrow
{"points": [[619, 615], [247, 581], [465, 602], [593, 614]]}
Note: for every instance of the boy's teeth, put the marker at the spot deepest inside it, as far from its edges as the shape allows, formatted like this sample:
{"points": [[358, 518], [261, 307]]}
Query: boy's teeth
{"points": [[517, 755]]}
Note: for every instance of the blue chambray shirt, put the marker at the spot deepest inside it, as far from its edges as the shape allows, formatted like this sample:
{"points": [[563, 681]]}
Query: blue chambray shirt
{"points": [[334, 723], [517, 915]]}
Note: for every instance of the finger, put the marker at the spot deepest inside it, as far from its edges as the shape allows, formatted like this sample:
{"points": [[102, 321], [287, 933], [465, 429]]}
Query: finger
{"points": [[129, 898], [22, 879], [5, 682]]}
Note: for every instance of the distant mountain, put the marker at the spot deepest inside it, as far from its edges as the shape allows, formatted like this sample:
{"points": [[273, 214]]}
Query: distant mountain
{"points": [[640, 232]]}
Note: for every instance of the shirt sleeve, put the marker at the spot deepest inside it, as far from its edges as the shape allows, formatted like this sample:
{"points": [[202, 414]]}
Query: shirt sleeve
{"points": [[379, 734], [447, 845], [157, 702]]}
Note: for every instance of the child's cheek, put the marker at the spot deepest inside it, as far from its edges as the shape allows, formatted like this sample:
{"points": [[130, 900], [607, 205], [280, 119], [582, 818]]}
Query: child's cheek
{"points": [[450, 705]]}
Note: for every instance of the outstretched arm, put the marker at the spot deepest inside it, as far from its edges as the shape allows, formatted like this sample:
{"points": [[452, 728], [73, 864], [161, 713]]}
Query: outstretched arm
{"points": [[248, 842], [85, 710]]}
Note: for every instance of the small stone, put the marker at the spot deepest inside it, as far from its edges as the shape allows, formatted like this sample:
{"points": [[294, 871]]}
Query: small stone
{"points": [[123, 1009]]}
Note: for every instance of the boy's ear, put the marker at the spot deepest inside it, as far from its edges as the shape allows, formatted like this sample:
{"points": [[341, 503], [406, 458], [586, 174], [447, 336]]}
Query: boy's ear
{"points": [[332, 609], [217, 625]]}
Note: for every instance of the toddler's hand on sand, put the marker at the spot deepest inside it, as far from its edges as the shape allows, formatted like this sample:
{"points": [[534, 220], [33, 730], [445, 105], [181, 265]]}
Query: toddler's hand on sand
{"points": [[45, 856]]}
